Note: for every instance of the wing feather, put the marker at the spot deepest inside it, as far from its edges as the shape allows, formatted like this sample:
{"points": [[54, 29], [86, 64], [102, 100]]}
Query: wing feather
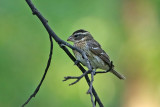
{"points": [[96, 49]]}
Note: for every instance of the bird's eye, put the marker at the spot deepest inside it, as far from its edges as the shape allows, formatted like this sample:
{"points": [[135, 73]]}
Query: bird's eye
{"points": [[75, 35]]}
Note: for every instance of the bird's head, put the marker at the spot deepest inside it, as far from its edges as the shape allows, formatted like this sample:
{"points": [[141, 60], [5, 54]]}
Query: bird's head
{"points": [[80, 35]]}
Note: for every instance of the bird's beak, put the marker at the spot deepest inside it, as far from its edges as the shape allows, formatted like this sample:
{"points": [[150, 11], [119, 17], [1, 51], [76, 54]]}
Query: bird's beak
{"points": [[70, 39]]}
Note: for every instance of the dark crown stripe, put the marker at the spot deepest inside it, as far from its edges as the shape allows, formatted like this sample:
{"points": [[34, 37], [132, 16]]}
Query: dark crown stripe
{"points": [[80, 31]]}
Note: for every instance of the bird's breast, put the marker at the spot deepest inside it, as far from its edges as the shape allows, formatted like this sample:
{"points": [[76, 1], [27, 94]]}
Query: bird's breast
{"points": [[83, 46]]}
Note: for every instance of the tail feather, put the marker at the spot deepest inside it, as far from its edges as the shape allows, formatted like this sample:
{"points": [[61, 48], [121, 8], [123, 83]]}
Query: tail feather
{"points": [[120, 76]]}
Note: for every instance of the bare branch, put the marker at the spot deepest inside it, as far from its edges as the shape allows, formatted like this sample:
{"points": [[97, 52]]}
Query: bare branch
{"points": [[97, 99], [90, 89], [78, 78], [46, 69], [62, 45], [51, 33]]}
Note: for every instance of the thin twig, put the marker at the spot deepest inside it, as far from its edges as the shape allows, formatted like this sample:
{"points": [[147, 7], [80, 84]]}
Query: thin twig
{"points": [[78, 78], [90, 88], [46, 69]]}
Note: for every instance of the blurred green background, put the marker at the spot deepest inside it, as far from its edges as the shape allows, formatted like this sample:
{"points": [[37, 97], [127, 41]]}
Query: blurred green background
{"points": [[128, 30]]}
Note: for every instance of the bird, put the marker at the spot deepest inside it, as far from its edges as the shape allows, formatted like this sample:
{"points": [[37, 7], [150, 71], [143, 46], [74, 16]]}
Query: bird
{"points": [[98, 58]]}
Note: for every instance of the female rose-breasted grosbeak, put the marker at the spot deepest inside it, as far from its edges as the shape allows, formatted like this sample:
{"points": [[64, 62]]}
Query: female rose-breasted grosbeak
{"points": [[97, 56]]}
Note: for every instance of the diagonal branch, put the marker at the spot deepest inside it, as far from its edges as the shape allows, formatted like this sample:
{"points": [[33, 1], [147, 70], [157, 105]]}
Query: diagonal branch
{"points": [[62, 45], [52, 33]]}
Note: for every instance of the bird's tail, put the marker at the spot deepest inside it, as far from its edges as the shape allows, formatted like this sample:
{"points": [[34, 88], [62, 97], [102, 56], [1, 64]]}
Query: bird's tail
{"points": [[120, 76]]}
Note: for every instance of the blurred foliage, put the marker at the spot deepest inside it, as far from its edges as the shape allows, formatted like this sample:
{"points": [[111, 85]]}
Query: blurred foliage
{"points": [[128, 30]]}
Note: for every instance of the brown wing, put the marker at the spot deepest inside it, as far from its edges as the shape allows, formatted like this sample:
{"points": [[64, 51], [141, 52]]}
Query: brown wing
{"points": [[95, 47]]}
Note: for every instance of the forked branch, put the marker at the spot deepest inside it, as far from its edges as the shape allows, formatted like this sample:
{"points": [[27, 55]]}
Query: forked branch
{"points": [[63, 45]]}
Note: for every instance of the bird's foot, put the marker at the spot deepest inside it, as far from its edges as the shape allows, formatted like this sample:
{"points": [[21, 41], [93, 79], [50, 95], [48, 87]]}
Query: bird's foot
{"points": [[61, 45], [76, 62], [94, 72]]}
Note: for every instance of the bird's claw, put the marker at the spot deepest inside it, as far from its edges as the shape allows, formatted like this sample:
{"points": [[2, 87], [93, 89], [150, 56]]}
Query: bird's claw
{"points": [[76, 62], [61, 45], [94, 72]]}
